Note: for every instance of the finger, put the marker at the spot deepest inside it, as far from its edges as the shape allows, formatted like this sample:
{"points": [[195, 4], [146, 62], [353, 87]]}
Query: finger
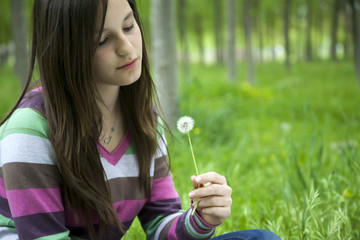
{"points": [[215, 201], [211, 190], [219, 212], [194, 183], [212, 177]]}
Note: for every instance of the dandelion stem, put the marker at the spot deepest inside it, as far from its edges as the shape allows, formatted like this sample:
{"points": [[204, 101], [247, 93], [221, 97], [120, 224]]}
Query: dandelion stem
{"points": [[193, 156], [196, 169]]}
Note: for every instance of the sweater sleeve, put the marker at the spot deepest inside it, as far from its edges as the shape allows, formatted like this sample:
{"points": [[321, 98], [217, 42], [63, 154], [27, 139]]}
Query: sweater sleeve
{"points": [[30, 180], [162, 216]]}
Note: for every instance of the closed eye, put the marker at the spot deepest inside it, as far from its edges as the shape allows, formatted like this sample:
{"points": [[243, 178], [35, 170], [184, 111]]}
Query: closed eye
{"points": [[101, 43], [128, 29]]}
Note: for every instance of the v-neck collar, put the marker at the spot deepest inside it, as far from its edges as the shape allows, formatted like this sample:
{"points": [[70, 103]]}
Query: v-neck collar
{"points": [[120, 150]]}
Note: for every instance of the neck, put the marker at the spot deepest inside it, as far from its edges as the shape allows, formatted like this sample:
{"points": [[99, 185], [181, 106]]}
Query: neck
{"points": [[109, 96]]}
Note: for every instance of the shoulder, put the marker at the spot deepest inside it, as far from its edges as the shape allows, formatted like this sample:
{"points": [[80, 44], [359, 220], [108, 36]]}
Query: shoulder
{"points": [[28, 118]]}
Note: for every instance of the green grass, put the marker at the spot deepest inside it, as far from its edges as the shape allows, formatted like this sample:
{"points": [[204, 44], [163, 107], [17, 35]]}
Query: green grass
{"points": [[289, 146], [9, 89]]}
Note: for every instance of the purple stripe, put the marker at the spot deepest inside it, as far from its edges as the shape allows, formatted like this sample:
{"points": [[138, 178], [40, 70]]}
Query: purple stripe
{"points": [[159, 208], [181, 230], [172, 231], [159, 185], [4, 208], [2, 188], [34, 100], [196, 227], [40, 225], [128, 209], [31, 201], [116, 233], [204, 222]]}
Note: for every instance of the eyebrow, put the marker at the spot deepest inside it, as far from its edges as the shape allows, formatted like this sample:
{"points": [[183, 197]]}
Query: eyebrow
{"points": [[128, 15], [131, 13]]}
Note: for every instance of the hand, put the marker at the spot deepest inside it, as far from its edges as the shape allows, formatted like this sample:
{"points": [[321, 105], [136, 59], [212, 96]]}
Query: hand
{"points": [[214, 197]]}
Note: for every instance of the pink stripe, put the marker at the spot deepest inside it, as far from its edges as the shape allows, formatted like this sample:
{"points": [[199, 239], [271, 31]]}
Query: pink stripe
{"points": [[120, 150], [196, 227], [31, 201], [39, 89], [163, 188], [127, 210], [172, 233], [2, 188]]}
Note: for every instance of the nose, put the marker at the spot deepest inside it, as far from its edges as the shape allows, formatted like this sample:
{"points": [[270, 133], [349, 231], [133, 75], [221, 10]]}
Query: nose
{"points": [[123, 46]]}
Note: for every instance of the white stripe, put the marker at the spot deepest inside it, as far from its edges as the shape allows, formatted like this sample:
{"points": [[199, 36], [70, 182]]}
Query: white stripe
{"points": [[163, 224], [20, 147], [161, 150], [6, 234], [126, 167]]}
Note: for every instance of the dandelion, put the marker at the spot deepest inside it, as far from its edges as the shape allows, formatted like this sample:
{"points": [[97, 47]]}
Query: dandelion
{"points": [[185, 125]]}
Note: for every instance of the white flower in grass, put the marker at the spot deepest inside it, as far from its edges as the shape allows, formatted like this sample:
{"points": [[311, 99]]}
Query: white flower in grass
{"points": [[185, 124]]}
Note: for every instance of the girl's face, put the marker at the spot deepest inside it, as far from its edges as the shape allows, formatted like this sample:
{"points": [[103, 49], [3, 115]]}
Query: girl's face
{"points": [[118, 57]]}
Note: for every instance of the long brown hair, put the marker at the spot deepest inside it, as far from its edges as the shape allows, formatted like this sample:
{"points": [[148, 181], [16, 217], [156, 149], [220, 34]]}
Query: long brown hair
{"points": [[63, 46]]}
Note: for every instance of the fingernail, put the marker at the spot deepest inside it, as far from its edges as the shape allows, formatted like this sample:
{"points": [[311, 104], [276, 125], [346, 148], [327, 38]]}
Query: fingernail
{"points": [[191, 194], [198, 179]]}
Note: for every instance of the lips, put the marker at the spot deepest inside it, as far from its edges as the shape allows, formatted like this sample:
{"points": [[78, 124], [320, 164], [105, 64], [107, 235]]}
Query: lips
{"points": [[129, 65]]}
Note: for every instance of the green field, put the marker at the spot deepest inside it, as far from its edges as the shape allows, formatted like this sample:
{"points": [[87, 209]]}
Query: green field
{"points": [[289, 146]]}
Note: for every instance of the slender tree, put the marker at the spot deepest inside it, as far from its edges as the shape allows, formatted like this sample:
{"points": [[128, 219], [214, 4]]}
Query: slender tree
{"points": [[248, 42], [182, 23], [199, 30], [287, 7], [356, 35], [218, 30], [334, 28], [164, 57], [308, 49], [231, 11], [18, 25]]}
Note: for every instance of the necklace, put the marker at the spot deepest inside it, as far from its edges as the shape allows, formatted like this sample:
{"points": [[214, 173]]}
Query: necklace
{"points": [[107, 140]]}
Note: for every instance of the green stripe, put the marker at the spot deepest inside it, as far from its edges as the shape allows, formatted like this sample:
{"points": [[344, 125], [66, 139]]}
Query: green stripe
{"points": [[160, 126], [200, 224], [131, 149], [27, 121], [7, 222], [152, 226], [194, 233], [62, 236]]}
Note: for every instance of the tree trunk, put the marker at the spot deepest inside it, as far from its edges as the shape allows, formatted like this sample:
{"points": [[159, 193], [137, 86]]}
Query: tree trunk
{"points": [[183, 40], [248, 44], [334, 28], [18, 25], [218, 31], [287, 7], [348, 48], [231, 12], [356, 35], [261, 40], [164, 57], [308, 53], [200, 36]]}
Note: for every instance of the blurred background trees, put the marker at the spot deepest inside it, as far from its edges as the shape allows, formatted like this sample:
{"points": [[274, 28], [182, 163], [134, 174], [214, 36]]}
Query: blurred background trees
{"points": [[219, 32]]}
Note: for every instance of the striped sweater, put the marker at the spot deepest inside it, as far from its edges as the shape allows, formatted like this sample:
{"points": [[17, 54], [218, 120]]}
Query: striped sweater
{"points": [[31, 205]]}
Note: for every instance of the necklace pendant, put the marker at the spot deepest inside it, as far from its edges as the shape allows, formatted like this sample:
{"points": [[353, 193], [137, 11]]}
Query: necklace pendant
{"points": [[107, 140]]}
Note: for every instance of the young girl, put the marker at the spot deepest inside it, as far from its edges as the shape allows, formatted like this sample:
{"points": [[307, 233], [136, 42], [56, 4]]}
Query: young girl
{"points": [[83, 153]]}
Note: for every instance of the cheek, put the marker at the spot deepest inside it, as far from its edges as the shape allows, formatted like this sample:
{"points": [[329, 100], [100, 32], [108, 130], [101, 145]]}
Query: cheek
{"points": [[100, 63]]}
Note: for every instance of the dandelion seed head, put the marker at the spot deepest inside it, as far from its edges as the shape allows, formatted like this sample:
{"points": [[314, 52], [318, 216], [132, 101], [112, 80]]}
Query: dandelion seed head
{"points": [[185, 124]]}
